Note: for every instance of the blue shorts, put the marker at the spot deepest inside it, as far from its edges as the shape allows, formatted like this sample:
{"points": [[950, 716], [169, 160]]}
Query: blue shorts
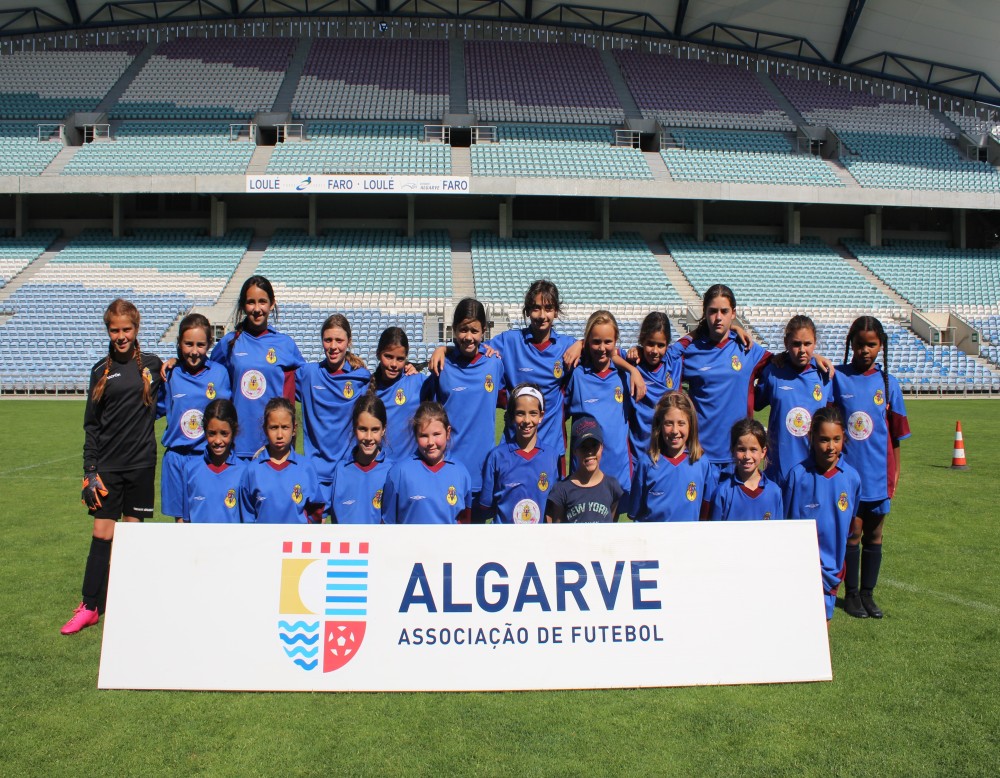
{"points": [[872, 509], [172, 481], [831, 600]]}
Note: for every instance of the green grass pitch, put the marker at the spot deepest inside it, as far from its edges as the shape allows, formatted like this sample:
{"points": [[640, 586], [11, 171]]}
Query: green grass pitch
{"points": [[915, 694]]}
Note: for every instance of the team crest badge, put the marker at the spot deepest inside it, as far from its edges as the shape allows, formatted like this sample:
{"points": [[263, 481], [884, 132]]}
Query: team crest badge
{"points": [[147, 376], [817, 392], [527, 512], [692, 492], [879, 397], [452, 496], [377, 500], [767, 516], [488, 383], [737, 365], [210, 391], [348, 390], [543, 482], [297, 494], [271, 357], [323, 603], [191, 424], [842, 502], [253, 384], [230, 501], [557, 370], [798, 421], [860, 425], [619, 396], [400, 398], [670, 383]]}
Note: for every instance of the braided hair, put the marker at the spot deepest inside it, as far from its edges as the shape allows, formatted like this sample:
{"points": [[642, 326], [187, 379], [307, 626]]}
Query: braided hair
{"points": [[240, 317], [120, 307], [871, 324]]}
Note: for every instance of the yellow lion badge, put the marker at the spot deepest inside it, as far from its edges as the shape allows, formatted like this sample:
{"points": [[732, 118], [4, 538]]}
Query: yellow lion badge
{"points": [[400, 397], [231, 498], [557, 370], [543, 482], [210, 391], [767, 516], [692, 492], [297, 494], [488, 383], [817, 392], [271, 357], [737, 365], [348, 390], [619, 396], [377, 500], [526, 517], [879, 397], [670, 383], [842, 502], [452, 497]]}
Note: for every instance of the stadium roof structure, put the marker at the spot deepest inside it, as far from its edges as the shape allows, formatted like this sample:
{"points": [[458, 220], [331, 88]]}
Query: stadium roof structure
{"points": [[947, 45]]}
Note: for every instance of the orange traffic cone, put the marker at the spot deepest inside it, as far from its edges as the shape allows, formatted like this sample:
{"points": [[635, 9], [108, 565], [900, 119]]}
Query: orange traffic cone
{"points": [[958, 454]]}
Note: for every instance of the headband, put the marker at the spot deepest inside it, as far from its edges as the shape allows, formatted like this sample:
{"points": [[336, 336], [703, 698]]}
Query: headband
{"points": [[530, 391]]}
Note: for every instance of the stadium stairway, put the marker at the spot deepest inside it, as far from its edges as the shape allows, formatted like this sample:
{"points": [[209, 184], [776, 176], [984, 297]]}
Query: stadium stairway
{"points": [[61, 160], [459, 97], [657, 166], [461, 161], [258, 162], [283, 100], [674, 274], [621, 89], [32, 269], [842, 173], [874, 280], [463, 282], [123, 83], [782, 101]]}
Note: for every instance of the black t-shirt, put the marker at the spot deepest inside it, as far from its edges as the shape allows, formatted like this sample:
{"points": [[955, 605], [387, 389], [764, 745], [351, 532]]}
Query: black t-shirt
{"points": [[583, 504], [118, 430]]}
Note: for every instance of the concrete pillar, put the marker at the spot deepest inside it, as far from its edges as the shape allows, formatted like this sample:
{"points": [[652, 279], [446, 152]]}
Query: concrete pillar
{"points": [[116, 215], [20, 215], [510, 217], [873, 228], [793, 225], [958, 226], [504, 219], [311, 200], [220, 211], [605, 208], [411, 215], [699, 221]]}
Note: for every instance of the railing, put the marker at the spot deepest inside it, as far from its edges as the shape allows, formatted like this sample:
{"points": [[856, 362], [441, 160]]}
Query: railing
{"points": [[240, 132], [92, 132], [437, 133], [49, 132], [628, 138], [484, 133], [291, 132]]}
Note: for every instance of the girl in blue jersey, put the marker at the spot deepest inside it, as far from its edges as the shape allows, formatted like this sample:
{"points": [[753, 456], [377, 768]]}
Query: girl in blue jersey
{"points": [[358, 481], [398, 391], [327, 392], [719, 372], [673, 481], [660, 372], [190, 386], [747, 494], [597, 388], [468, 388], [826, 489], [281, 487], [211, 482], [431, 487], [876, 421], [261, 362], [518, 474], [794, 390]]}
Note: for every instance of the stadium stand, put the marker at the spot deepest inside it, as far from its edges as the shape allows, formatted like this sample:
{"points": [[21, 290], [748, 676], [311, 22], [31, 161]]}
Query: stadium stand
{"points": [[202, 78], [817, 278], [17, 253], [163, 148], [51, 84], [557, 152], [743, 158], [343, 147], [694, 93], [619, 273], [360, 269], [972, 125], [562, 83], [935, 277], [374, 80], [22, 153]]}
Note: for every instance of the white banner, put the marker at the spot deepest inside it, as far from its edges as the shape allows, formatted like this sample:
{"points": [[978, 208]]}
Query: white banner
{"points": [[373, 184], [450, 608]]}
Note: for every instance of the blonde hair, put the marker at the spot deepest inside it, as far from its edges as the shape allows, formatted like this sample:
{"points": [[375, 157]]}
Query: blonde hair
{"points": [[597, 318], [120, 307], [681, 402]]}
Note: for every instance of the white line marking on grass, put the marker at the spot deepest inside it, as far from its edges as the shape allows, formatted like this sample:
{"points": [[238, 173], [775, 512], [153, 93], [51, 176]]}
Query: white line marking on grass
{"points": [[975, 604], [37, 464]]}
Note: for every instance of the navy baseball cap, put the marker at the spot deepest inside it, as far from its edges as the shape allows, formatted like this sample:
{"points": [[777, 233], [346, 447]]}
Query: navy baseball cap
{"points": [[586, 428]]}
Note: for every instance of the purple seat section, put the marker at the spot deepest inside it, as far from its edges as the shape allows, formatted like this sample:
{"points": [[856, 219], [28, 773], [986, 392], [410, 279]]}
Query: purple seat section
{"points": [[260, 53], [420, 66]]}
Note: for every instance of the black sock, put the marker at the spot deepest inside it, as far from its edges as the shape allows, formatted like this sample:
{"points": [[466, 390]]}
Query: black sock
{"points": [[95, 574], [871, 561], [852, 563]]}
